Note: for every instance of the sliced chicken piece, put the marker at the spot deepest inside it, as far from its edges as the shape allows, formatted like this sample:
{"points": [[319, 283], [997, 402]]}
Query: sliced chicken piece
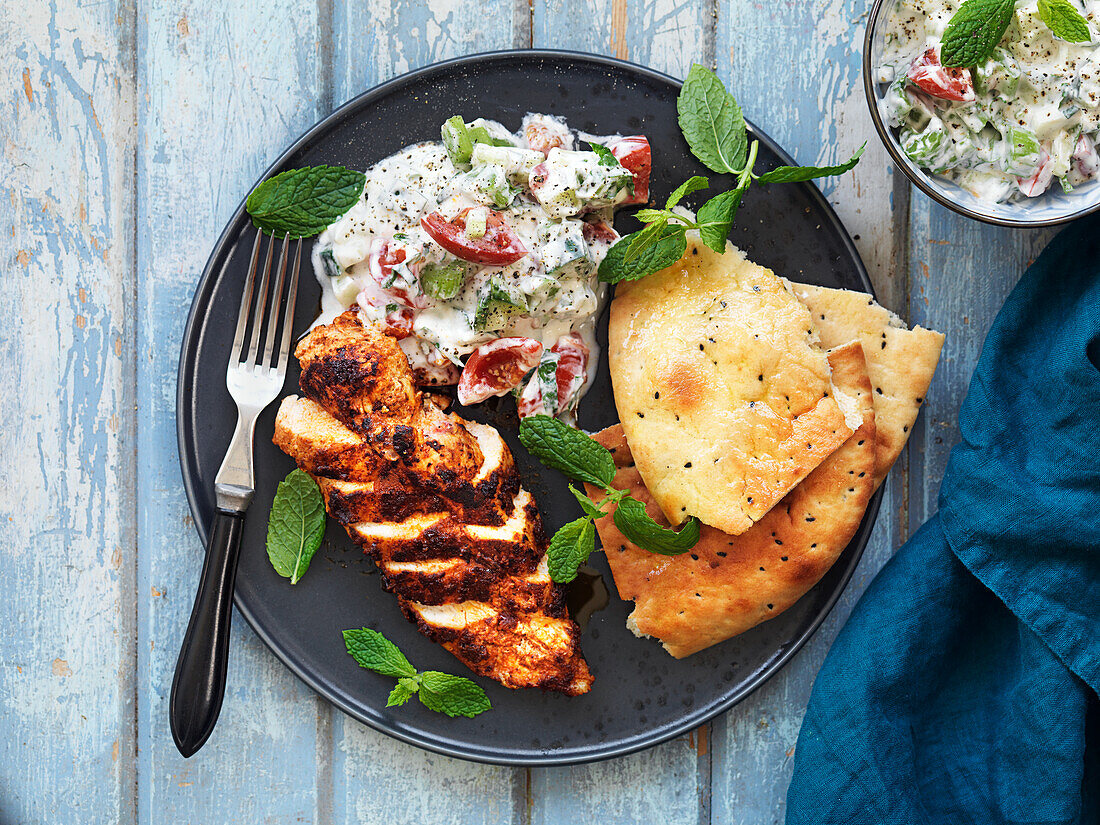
{"points": [[436, 501]]}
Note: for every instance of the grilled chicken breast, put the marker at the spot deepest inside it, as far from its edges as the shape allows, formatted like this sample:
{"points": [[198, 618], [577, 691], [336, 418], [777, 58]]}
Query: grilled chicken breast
{"points": [[436, 501]]}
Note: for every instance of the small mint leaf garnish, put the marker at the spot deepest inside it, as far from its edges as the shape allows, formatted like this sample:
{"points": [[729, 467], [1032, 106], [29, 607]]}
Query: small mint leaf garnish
{"points": [[634, 523], [1065, 21], [569, 548], [567, 449], [974, 31], [797, 174], [441, 692], [296, 525], [303, 202]]}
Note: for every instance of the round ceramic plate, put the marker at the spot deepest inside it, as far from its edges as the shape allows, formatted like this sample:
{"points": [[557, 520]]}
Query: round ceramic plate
{"points": [[641, 696]]}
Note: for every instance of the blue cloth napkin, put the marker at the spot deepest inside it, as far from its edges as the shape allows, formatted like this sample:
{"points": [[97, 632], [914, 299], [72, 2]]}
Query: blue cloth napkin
{"points": [[963, 689]]}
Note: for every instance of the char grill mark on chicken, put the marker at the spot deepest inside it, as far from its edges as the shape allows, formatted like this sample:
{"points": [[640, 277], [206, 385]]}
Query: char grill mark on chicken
{"points": [[437, 502]]}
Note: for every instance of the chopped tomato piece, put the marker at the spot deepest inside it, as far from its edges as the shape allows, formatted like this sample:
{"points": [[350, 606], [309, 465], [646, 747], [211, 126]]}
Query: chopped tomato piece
{"points": [[542, 138], [572, 368], [531, 401], [634, 153], [570, 373], [1038, 183], [599, 232], [498, 246], [1085, 159], [537, 177], [497, 367], [932, 77], [384, 256], [397, 320]]}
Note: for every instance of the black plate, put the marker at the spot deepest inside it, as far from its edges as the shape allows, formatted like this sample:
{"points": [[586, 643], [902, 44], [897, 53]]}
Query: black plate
{"points": [[641, 695]]}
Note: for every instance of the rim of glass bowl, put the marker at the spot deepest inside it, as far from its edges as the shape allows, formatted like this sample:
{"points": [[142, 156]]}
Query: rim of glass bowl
{"points": [[918, 176]]}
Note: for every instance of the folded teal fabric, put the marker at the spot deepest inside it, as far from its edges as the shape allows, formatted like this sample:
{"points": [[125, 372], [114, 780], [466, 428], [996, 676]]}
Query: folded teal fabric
{"points": [[963, 688]]}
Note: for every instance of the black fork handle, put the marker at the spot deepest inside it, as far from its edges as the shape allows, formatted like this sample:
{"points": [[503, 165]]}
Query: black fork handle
{"points": [[199, 684]]}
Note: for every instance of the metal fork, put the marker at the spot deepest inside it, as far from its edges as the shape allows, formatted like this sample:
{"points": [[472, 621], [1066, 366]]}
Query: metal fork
{"points": [[253, 382]]}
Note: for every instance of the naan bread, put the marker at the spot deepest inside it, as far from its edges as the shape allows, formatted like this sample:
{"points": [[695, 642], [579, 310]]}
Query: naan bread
{"points": [[722, 392], [900, 361], [728, 584]]}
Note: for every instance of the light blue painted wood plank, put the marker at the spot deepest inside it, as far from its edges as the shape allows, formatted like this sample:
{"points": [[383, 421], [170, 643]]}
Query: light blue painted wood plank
{"points": [[667, 35], [66, 493], [379, 39], [815, 109], [224, 89], [673, 778], [377, 779], [960, 273]]}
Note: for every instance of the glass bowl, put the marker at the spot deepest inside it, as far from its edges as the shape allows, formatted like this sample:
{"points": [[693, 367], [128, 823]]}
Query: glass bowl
{"points": [[1051, 208]]}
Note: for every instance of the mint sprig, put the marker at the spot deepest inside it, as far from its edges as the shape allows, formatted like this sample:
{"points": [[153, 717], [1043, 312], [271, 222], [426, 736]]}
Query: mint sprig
{"points": [[582, 458], [301, 203], [441, 692], [715, 130], [296, 525], [1065, 21]]}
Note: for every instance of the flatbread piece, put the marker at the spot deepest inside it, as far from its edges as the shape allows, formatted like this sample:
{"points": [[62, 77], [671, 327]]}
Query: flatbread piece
{"points": [[728, 584], [723, 394], [900, 361]]}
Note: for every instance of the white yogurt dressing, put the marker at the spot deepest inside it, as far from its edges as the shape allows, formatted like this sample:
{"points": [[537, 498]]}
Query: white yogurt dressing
{"points": [[1035, 114], [564, 226]]}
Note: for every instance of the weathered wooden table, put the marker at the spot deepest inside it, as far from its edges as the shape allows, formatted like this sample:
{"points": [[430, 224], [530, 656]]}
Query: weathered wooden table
{"points": [[129, 135]]}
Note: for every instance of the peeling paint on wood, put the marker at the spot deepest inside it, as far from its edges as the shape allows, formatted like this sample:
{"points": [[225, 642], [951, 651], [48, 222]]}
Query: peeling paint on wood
{"points": [[66, 492], [131, 133]]}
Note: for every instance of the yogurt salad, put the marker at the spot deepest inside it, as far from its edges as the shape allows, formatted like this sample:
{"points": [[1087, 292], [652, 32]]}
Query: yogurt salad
{"points": [[1004, 130], [479, 254]]}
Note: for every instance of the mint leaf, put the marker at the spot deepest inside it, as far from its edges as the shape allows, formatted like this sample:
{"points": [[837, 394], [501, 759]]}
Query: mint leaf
{"points": [[797, 174], [452, 695], [974, 32], [644, 238], [716, 218], [567, 449], [1064, 20], [569, 548], [441, 692], [634, 523], [606, 156], [296, 525], [375, 652], [588, 505], [692, 184], [712, 121], [666, 249], [302, 202], [403, 691], [652, 216]]}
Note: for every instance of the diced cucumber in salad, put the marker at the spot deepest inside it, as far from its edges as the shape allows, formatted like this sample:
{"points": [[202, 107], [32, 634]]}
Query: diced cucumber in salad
{"points": [[1005, 130], [479, 252]]}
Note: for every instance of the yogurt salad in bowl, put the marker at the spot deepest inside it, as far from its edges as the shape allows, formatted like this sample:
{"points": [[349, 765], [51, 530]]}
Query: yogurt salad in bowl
{"points": [[479, 253], [1014, 124]]}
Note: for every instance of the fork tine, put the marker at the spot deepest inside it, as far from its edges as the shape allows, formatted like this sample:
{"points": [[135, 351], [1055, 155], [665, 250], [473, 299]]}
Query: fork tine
{"points": [[246, 300], [288, 316], [276, 299], [260, 306]]}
